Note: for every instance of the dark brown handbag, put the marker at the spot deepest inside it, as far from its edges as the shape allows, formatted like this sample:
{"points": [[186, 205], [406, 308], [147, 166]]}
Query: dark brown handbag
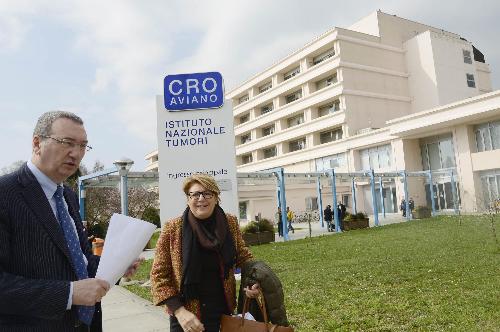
{"points": [[239, 324]]}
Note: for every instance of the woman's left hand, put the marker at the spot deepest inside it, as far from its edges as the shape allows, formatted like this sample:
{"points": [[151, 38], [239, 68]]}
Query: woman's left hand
{"points": [[252, 292]]}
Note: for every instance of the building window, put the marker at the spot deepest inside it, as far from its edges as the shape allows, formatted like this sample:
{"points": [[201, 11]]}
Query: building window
{"points": [[333, 161], [330, 136], [243, 99], [265, 87], [289, 74], [311, 203], [488, 136], [243, 210], [438, 153], [270, 152], [326, 82], [246, 159], [246, 138], [297, 145], [345, 200], [266, 131], [329, 108], [467, 56], [293, 96], [490, 183], [376, 157], [323, 56], [295, 121], [470, 81], [244, 118], [266, 109]]}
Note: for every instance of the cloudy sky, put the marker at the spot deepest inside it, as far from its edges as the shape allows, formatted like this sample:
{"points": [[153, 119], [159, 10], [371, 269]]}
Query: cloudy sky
{"points": [[106, 60]]}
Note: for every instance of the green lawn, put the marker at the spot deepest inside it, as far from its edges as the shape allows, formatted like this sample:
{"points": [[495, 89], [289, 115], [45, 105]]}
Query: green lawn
{"points": [[154, 239], [439, 274]]}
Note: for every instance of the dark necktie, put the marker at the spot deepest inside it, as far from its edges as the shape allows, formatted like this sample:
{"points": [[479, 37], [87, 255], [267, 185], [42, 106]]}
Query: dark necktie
{"points": [[85, 313]]}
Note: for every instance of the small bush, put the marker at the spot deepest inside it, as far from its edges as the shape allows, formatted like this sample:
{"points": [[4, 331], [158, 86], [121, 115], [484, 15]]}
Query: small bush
{"points": [[265, 225], [349, 217], [422, 212], [98, 230], [152, 215], [250, 228], [360, 216], [357, 216]]}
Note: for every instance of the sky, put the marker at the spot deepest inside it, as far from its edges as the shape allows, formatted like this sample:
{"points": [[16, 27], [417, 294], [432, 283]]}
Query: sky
{"points": [[106, 60]]}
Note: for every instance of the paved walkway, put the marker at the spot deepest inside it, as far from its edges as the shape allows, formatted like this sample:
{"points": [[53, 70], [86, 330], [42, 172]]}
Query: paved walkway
{"points": [[124, 311]]}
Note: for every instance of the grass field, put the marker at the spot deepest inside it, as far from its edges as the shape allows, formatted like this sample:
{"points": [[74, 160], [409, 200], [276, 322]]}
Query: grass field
{"points": [[440, 274]]}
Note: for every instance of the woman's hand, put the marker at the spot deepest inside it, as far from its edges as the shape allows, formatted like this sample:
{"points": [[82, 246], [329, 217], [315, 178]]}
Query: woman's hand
{"points": [[252, 292], [189, 322]]}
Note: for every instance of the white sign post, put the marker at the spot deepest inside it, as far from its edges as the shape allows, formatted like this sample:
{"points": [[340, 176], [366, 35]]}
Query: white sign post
{"points": [[195, 141]]}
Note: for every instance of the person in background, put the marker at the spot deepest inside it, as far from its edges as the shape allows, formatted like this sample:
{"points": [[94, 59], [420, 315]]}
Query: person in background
{"points": [[341, 212], [47, 268], [279, 222], [411, 205], [402, 207], [289, 216], [196, 254], [328, 215]]}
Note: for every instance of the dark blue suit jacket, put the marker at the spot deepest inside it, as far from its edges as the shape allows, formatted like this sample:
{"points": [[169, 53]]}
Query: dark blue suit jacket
{"points": [[35, 264]]}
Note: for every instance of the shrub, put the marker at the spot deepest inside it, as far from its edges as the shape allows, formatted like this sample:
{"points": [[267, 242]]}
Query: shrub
{"points": [[151, 214], [98, 230], [265, 225], [360, 216], [422, 212], [251, 228], [349, 217], [357, 216]]}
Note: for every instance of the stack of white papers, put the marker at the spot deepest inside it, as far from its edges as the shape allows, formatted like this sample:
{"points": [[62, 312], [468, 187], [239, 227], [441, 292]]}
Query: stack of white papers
{"points": [[125, 241]]}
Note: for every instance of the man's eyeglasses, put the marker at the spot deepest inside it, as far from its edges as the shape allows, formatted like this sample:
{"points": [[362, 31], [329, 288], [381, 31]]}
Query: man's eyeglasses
{"points": [[70, 144], [198, 194]]}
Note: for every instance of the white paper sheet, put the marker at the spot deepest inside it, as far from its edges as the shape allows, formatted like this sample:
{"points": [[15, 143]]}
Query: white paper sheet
{"points": [[125, 241]]}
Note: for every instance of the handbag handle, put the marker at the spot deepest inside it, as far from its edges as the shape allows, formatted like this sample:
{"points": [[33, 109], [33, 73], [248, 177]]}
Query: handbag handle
{"points": [[261, 304]]}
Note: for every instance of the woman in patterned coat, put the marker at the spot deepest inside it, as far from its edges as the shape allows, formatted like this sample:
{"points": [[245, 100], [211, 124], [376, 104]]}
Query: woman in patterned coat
{"points": [[193, 269]]}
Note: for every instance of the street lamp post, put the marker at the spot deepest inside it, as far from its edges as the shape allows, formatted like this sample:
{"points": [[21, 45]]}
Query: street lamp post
{"points": [[123, 166]]}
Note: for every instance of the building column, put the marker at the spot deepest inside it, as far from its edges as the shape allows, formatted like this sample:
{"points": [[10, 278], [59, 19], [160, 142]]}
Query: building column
{"points": [[469, 183], [407, 156]]}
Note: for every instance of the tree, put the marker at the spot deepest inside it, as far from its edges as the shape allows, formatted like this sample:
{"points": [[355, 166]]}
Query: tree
{"points": [[102, 202], [12, 167], [72, 181]]}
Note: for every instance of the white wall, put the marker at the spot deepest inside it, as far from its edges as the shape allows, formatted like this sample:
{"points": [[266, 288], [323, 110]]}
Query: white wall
{"points": [[451, 69], [422, 79]]}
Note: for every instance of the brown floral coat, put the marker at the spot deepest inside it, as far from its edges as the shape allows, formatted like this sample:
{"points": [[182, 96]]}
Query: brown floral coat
{"points": [[166, 273]]}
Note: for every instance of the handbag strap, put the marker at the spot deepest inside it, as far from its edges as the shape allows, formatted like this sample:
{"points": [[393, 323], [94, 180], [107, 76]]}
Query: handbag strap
{"points": [[260, 302]]}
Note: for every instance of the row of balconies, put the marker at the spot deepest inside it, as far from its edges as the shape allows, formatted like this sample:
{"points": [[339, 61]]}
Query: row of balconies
{"points": [[314, 58], [296, 119], [293, 145], [288, 97]]}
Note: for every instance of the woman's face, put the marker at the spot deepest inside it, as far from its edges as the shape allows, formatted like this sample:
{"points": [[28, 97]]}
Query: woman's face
{"points": [[201, 206]]}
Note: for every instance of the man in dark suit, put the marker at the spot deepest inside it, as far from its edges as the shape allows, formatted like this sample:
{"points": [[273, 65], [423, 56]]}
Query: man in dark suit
{"points": [[46, 266]]}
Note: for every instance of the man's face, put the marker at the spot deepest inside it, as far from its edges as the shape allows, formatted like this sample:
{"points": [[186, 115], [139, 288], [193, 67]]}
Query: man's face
{"points": [[57, 160]]}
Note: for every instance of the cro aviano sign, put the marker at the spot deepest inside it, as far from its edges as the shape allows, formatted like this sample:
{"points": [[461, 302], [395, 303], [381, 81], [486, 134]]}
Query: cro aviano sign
{"points": [[193, 91]]}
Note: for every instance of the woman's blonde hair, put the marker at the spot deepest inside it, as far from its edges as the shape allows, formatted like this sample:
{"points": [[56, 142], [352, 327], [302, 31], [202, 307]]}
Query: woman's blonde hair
{"points": [[205, 180]]}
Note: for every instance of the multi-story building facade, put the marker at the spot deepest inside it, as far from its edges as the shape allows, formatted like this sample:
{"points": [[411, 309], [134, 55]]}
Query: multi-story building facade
{"points": [[386, 94]]}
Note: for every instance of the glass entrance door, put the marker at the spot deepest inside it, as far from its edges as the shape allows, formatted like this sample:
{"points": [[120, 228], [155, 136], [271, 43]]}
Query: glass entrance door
{"points": [[443, 196]]}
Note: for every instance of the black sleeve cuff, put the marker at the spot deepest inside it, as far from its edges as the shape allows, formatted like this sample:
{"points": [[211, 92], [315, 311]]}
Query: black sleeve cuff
{"points": [[174, 302]]}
